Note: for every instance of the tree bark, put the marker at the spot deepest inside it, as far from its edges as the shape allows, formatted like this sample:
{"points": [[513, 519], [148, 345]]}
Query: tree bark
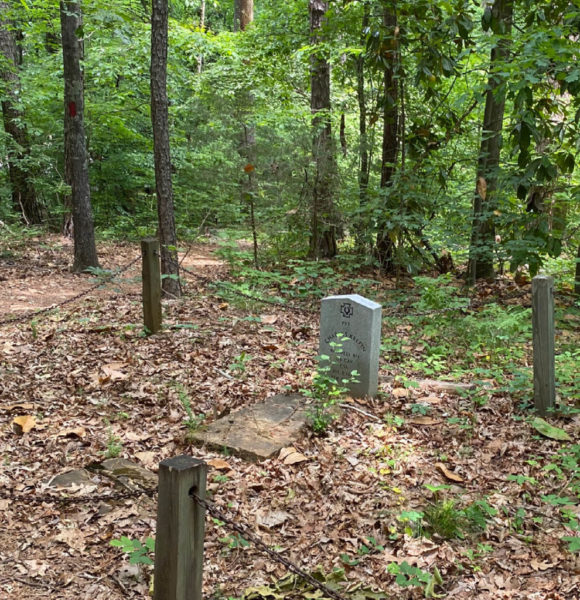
{"points": [[323, 219], [390, 144], [363, 221], [76, 155], [243, 14], [24, 198], [202, 28], [577, 274], [162, 155], [484, 201]]}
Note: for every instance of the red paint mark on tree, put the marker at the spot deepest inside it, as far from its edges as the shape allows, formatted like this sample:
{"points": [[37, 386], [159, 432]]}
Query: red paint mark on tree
{"points": [[72, 109]]}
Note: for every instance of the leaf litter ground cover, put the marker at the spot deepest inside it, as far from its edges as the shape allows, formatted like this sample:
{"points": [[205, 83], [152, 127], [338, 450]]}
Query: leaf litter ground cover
{"points": [[425, 482]]}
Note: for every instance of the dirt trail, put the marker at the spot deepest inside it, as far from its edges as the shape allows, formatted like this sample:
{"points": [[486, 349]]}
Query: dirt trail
{"points": [[40, 276]]}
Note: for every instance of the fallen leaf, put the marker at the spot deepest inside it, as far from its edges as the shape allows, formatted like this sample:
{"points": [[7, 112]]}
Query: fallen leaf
{"points": [[219, 464], [449, 474], [79, 432], [432, 399], [554, 433], [295, 458], [272, 518], [290, 456], [146, 457], [73, 538], [24, 424], [285, 452], [113, 373], [542, 566]]}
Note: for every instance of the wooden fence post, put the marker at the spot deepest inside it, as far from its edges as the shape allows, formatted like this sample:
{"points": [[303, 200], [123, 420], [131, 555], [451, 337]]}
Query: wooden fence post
{"points": [[180, 529], [151, 285], [543, 328]]}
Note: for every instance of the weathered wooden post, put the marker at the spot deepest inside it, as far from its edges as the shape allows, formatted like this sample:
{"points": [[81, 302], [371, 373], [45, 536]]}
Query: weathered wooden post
{"points": [[180, 529], [543, 328], [151, 285]]}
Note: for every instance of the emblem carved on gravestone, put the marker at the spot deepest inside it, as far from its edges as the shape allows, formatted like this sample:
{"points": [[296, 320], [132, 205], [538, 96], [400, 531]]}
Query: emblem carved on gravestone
{"points": [[347, 310], [350, 334]]}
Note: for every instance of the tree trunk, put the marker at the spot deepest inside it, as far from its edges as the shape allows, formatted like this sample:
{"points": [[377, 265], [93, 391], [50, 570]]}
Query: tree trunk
{"points": [[76, 155], [577, 274], [24, 198], [484, 202], [160, 122], [322, 225], [202, 28], [390, 145], [362, 222], [243, 14]]}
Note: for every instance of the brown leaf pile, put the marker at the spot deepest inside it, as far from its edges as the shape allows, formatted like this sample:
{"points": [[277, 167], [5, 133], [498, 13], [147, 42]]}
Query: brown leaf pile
{"points": [[78, 382]]}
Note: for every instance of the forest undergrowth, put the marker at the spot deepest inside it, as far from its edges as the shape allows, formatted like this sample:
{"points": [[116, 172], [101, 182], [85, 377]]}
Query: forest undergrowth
{"points": [[422, 491]]}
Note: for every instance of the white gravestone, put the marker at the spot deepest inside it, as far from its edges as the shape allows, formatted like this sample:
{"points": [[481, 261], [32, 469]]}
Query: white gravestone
{"points": [[359, 320]]}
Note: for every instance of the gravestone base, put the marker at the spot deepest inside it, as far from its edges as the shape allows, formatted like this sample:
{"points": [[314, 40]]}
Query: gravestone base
{"points": [[259, 431]]}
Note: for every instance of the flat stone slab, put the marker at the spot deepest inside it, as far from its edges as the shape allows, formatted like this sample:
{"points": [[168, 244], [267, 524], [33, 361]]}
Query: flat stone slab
{"points": [[128, 470], [259, 431], [71, 479]]}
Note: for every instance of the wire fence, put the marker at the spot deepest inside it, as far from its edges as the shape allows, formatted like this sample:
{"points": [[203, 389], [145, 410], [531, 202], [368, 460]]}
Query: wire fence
{"points": [[248, 535], [404, 312], [237, 292], [230, 288], [33, 499]]}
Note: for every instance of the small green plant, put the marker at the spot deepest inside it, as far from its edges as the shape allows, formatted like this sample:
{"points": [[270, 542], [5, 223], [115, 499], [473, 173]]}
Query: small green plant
{"points": [[192, 421], [114, 445], [412, 521], [34, 328], [407, 575], [393, 420], [445, 520], [438, 293], [420, 409], [521, 479], [326, 390], [139, 552], [238, 365], [235, 541]]}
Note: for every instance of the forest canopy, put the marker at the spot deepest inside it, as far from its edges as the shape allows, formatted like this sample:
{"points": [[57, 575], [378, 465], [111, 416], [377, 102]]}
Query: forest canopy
{"points": [[420, 134]]}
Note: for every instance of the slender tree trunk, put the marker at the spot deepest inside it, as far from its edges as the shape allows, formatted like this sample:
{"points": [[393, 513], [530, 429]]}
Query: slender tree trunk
{"points": [[390, 144], [160, 121], [484, 202], [76, 156], [24, 198], [577, 274], [322, 224], [202, 27], [243, 16], [363, 221]]}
